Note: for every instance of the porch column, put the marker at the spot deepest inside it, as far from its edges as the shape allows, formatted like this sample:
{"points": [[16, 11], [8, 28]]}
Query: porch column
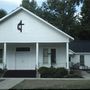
{"points": [[37, 59], [37, 53], [67, 54], [4, 56]]}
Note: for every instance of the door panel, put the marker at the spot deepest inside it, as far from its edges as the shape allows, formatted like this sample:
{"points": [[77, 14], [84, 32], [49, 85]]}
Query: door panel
{"points": [[22, 60]]}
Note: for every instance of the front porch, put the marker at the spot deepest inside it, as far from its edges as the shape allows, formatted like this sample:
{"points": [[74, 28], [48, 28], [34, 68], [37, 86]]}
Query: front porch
{"points": [[31, 56]]}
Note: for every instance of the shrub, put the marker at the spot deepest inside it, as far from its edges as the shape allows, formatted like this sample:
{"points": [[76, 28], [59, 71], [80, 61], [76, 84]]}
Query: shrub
{"points": [[47, 72], [43, 71], [1, 71], [52, 72], [72, 71], [61, 72]]}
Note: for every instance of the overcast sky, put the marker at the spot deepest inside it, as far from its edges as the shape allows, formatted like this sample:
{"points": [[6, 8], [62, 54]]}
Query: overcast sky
{"points": [[10, 5]]}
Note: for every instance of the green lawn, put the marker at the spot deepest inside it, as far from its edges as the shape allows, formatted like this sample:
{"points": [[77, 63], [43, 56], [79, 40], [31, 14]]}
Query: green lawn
{"points": [[53, 84]]}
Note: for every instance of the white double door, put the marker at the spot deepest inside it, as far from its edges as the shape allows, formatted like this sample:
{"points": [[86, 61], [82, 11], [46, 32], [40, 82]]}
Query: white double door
{"points": [[23, 61]]}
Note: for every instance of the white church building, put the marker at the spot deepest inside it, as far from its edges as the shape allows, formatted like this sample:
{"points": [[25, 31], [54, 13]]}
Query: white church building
{"points": [[28, 42]]}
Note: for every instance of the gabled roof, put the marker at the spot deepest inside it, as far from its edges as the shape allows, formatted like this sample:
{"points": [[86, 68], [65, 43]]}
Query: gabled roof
{"points": [[22, 8], [80, 46]]}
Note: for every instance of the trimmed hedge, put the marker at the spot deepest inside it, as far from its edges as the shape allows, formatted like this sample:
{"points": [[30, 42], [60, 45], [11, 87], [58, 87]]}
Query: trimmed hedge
{"points": [[52, 72]]}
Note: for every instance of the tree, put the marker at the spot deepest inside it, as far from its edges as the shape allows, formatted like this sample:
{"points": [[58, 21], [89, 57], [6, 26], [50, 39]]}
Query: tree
{"points": [[77, 2], [85, 21], [84, 31], [2, 13], [30, 5], [60, 13]]}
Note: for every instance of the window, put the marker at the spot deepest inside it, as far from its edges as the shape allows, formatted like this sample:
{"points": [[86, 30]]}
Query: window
{"points": [[1, 55], [45, 56], [53, 56], [69, 58], [82, 60], [22, 49]]}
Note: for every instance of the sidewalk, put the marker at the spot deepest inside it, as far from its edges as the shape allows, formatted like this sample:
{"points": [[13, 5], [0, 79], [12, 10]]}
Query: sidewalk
{"points": [[9, 83], [85, 75]]}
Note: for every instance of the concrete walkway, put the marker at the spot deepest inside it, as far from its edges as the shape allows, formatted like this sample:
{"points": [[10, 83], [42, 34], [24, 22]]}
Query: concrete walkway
{"points": [[85, 75], [9, 83]]}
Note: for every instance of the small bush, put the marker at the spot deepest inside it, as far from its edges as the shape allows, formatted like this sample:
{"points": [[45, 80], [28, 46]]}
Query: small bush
{"points": [[47, 72], [72, 71], [52, 72], [1, 71], [61, 72], [43, 71]]}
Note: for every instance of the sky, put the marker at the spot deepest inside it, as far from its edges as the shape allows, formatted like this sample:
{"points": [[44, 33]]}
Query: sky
{"points": [[10, 5]]}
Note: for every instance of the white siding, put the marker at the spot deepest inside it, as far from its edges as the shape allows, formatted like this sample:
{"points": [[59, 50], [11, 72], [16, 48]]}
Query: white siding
{"points": [[76, 59], [60, 55], [11, 55], [87, 60], [34, 30]]}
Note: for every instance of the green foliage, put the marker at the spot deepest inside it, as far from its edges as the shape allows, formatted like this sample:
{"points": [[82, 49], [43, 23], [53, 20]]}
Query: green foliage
{"points": [[30, 5], [85, 21], [61, 13], [2, 13], [86, 14], [61, 72], [47, 72], [52, 72], [1, 71]]}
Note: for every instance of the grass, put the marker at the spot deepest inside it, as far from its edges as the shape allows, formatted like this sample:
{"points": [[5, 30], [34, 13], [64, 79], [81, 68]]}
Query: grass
{"points": [[53, 84]]}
